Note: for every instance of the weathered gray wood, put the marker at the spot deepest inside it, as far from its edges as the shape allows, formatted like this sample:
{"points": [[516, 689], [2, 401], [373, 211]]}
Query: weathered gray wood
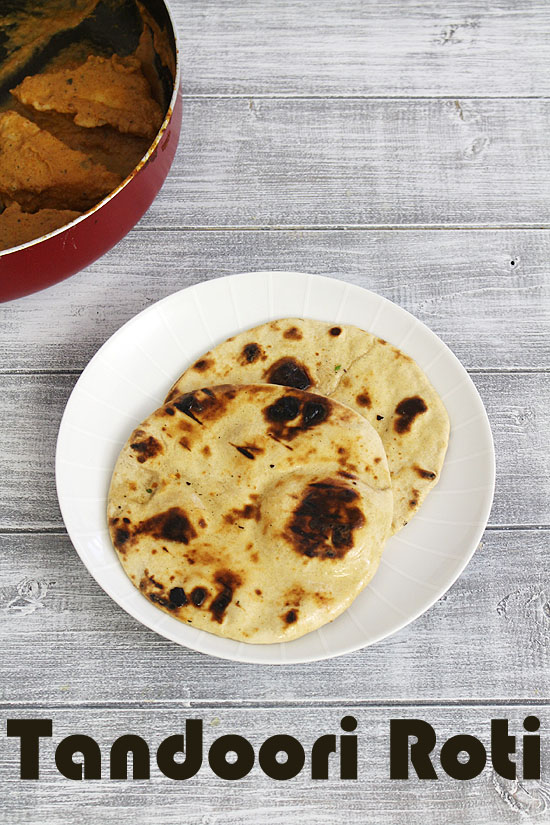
{"points": [[255, 162], [468, 286], [29, 420], [32, 406], [208, 800], [441, 153], [64, 641], [383, 47]]}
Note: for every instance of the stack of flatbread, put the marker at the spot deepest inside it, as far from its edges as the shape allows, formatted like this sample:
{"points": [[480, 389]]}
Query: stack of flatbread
{"points": [[257, 501]]}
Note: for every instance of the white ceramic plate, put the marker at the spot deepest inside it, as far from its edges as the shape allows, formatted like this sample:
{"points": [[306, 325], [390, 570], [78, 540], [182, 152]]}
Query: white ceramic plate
{"points": [[129, 377]]}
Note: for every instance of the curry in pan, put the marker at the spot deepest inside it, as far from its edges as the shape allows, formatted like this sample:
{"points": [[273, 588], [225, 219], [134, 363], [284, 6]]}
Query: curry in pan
{"points": [[78, 123]]}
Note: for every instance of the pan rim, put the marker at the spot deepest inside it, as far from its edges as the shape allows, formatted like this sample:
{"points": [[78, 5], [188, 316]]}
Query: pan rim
{"points": [[141, 163]]}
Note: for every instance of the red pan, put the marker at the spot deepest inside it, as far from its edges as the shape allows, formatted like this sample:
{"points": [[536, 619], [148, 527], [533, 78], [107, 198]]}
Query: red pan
{"points": [[51, 258]]}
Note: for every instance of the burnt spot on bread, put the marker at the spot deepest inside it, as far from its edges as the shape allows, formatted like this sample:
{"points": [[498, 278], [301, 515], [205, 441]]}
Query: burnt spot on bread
{"points": [[169, 411], [303, 413], [161, 598], [406, 411], [198, 595], [424, 473], [378, 459], [228, 582], [184, 441], [248, 450], [314, 412], [293, 599], [282, 443], [202, 523], [189, 405], [363, 399], [344, 461], [251, 353], [346, 475], [379, 417], [292, 334], [171, 525], [203, 364], [413, 502], [154, 597], [202, 405], [147, 448], [120, 537], [288, 372], [249, 511], [284, 409], [335, 331], [178, 596], [294, 596], [206, 451], [324, 521]]}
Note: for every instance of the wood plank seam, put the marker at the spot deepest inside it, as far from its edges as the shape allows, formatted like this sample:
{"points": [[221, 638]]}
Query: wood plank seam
{"points": [[343, 227], [247, 704], [264, 96]]}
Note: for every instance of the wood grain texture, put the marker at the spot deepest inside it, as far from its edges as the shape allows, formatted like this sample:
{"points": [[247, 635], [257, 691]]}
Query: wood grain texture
{"points": [[30, 415], [357, 48], [311, 132], [375, 48], [207, 800], [32, 406], [65, 642], [467, 286], [317, 162]]}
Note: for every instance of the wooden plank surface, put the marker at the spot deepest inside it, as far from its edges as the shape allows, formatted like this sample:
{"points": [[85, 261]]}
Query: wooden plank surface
{"points": [[32, 406], [375, 48], [332, 162], [466, 286], [398, 144], [65, 642], [208, 800]]}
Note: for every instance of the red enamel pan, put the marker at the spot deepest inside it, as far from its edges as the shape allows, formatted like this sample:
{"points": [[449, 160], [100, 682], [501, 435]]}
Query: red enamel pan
{"points": [[59, 254]]}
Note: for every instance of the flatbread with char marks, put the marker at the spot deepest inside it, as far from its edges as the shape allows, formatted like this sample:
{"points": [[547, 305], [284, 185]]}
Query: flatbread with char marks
{"points": [[256, 512], [354, 367]]}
